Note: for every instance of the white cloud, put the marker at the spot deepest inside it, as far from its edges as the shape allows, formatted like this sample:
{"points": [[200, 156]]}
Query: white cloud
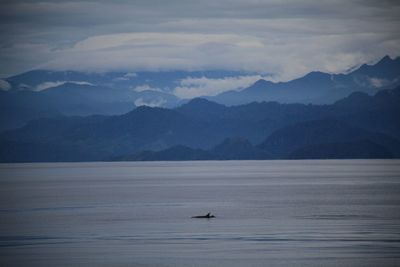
{"points": [[158, 102], [47, 85], [130, 75], [158, 51], [146, 87], [194, 87], [378, 83], [284, 38], [126, 77], [286, 56], [4, 85]]}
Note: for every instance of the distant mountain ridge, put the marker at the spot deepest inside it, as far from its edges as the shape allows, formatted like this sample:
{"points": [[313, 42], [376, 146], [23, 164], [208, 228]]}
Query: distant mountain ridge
{"points": [[43, 93], [319, 87], [368, 125], [32, 93]]}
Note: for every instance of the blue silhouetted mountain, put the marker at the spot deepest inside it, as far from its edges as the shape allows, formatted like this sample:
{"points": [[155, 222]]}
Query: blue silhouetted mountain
{"points": [[43, 93], [203, 109], [386, 68], [319, 87], [374, 113], [173, 153], [238, 149], [77, 99], [16, 109], [19, 107], [360, 149], [229, 149], [280, 129], [306, 136]]}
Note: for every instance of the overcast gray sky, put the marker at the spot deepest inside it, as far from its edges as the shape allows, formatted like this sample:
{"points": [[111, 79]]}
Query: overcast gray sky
{"points": [[283, 38]]}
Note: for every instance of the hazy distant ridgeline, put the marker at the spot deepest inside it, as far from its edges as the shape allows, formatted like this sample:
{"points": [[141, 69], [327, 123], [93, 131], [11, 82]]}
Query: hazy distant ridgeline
{"points": [[358, 126], [319, 87], [39, 93]]}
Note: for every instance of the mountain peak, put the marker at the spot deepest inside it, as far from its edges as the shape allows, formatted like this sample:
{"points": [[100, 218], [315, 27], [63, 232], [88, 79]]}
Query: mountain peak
{"points": [[355, 100], [385, 59], [259, 86], [201, 103], [261, 82], [317, 75], [386, 68]]}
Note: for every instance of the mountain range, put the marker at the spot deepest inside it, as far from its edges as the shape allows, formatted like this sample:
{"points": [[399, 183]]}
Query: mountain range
{"points": [[319, 87], [42, 93], [357, 126]]}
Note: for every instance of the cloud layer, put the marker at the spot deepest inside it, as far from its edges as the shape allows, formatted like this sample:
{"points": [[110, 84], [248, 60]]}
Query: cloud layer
{"points": [[284, 38], [4, 85], [195, 87], [47, 85], [158, 102]]}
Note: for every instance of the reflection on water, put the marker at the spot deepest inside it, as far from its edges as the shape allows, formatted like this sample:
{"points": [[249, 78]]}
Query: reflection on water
{"points": [[269, 213]]}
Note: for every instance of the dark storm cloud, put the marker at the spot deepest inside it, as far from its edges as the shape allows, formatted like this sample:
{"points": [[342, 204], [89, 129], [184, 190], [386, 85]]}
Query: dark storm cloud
{"points": [[285, 38]]}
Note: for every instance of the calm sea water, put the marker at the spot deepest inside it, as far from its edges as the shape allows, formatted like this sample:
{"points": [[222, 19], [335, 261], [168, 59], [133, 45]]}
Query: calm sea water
{"points": [[268, 213]]}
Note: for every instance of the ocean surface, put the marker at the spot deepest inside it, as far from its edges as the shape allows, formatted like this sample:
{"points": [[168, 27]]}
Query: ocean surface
{"points": [[268, 213]]}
